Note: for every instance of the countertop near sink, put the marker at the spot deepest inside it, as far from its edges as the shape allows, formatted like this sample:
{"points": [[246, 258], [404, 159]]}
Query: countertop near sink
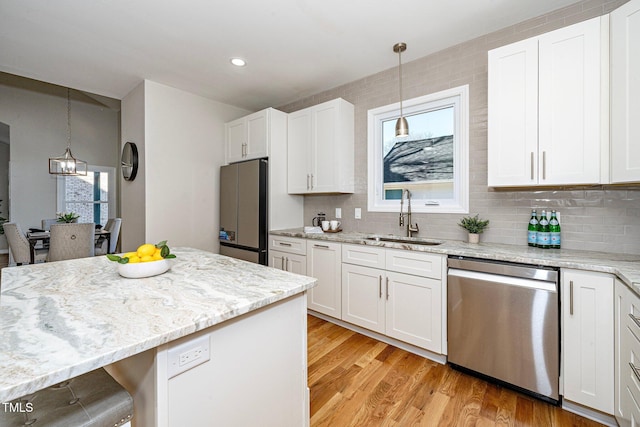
{"points": [[625, 266]]}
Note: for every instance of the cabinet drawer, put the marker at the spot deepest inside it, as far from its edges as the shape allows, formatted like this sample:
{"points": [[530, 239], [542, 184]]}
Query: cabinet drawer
{"points": [[416, 263], [364, 255], [290, 245], [630, 348], [631, 316]]}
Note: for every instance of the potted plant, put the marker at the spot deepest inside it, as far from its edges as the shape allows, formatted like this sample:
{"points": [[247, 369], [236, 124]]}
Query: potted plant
{"points": [[67, 217], [474, 225]]}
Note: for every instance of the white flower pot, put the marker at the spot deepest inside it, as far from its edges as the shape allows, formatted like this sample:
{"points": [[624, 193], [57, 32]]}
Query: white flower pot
{"points": [[474, 238]]}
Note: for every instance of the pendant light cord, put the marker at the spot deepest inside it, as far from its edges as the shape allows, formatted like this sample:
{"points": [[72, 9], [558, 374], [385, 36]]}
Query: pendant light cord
{"points": [[400, 77], [69, 118]]}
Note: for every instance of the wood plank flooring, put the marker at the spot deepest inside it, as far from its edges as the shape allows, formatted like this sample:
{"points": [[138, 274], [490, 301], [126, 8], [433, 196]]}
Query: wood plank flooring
{"points": [[358, 381]]}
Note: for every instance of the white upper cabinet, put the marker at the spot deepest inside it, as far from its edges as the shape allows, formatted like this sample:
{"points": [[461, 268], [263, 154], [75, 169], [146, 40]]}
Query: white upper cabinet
{"points": [[321, 149], [625, 93], [248, 137], [545, 109]]}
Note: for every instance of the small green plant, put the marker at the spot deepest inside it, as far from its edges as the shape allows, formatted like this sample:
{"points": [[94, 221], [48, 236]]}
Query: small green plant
{"points": [[67, 216], [473, 224]]}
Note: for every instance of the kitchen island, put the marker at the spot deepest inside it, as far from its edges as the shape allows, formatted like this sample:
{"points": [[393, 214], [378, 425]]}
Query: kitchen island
{"points": [[62, 319]]}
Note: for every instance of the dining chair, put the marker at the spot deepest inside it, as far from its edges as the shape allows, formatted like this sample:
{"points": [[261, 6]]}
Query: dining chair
{"points": [[93, 399], [19, 245], [113, 227], [69, 241]]}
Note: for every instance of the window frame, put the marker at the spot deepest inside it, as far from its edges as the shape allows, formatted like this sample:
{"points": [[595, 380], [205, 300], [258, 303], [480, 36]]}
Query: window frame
{"points": [[111, 201], [459, 98]]}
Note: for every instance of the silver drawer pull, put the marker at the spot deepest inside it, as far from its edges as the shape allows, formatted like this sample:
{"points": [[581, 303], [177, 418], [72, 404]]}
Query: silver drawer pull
{"points": [[635, 371], [284, 244], [321, 246], [635, 319], [380, 285]]}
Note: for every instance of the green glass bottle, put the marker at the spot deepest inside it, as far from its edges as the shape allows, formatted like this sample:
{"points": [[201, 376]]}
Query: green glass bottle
{"points": [[532, 229], [554, 231], [543, 232]]}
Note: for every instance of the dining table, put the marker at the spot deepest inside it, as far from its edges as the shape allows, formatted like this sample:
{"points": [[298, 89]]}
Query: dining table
{"points": [[43, 236]]}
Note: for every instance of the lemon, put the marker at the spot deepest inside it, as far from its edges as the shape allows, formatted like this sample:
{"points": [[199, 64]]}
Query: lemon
{"points": [[146, 258], [146, 249], [129, 254], [134, 259], [157, 256]]}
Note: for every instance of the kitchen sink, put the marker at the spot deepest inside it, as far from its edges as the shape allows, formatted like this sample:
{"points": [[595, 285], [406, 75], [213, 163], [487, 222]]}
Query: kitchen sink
{"points": [[406, 240]]}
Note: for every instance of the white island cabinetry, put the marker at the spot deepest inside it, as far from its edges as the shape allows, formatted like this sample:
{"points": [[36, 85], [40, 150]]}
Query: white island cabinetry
{"points": [[196, 345]]}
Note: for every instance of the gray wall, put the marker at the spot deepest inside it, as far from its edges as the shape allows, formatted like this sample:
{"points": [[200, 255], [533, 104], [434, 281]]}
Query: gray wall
{"points": [[597, 218]]}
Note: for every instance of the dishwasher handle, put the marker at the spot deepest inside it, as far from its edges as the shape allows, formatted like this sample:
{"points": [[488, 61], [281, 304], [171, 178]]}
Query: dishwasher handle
{"points": [[504, 280]]}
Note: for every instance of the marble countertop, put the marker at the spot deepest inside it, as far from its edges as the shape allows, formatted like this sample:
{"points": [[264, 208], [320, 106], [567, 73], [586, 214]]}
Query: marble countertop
{"points": [[625, 266], [63, 319]]}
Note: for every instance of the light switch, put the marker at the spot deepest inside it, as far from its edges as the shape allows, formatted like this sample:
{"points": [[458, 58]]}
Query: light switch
{"points": [[338, 213], [358, 213]]}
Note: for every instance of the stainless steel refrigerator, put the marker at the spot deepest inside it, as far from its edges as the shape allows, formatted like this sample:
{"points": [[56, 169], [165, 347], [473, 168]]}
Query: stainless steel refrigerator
{"points": [[243, 210]]}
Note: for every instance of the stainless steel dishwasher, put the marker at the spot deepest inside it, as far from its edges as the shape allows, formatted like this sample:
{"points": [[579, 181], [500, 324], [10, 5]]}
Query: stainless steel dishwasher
{"points": [[503, 324]]}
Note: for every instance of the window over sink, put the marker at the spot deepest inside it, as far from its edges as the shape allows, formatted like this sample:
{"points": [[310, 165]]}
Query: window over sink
{"points": [[432, 162]]}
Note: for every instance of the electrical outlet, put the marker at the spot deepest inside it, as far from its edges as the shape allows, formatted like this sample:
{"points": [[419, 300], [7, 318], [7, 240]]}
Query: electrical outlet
{"points": [[358, 213], [338, 213], [187, 355]]}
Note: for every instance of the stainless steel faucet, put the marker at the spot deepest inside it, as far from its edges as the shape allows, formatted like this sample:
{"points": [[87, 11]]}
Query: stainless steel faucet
{"points": [[410, 228]]}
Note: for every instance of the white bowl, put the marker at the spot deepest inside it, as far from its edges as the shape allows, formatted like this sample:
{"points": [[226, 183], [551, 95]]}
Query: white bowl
{"points": [[144, 269]]}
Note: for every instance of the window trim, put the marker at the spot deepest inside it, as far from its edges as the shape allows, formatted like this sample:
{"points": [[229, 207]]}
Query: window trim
{"points": [[111, 202], [461, 151]]}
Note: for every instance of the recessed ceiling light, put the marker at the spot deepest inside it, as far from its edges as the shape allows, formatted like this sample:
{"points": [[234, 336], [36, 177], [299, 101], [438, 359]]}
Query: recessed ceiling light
{"points": [[238, 62]]}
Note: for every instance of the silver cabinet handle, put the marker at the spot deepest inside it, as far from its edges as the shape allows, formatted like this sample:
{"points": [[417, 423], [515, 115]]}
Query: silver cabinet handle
{"points": [[635, 371], [387, 289], [284, 244], [282, 263], [380, 285], [312, 181], [532, 166], [635, 319], [544, 165], [571, 297], [286, 263], [308, 186], [321, 246]]}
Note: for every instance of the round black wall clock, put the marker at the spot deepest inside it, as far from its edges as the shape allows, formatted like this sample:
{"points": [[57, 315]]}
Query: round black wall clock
{"points": [[129, 161]]}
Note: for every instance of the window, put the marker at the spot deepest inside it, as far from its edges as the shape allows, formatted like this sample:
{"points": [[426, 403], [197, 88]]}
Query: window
{"points": [[92, 196], [432, 162]]}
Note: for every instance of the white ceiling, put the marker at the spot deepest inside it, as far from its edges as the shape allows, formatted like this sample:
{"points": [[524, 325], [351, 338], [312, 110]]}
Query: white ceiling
{"points": [[293, 48]]}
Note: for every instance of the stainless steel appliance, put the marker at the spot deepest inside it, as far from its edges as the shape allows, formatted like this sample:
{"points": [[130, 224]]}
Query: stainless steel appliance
{"points": [[243, 210], [503, 324]]}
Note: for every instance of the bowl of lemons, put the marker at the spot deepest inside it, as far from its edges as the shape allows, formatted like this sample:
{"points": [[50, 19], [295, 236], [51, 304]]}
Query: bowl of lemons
{"points": [[148, 260]]}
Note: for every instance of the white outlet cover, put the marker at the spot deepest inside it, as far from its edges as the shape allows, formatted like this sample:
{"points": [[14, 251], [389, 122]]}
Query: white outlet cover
{"points": [[358, 213], [338, 213], [201, 343]]}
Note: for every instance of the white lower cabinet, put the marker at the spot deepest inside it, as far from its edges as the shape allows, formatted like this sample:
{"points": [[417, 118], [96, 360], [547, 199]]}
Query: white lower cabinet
{"points": [[324, 262], [288, 254], [588, 339], [627, 364], [406, 307]]}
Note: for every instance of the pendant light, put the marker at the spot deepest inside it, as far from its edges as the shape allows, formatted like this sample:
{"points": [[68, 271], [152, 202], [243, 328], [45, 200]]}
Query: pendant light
{"points": [[402, 127], [67, 164]]}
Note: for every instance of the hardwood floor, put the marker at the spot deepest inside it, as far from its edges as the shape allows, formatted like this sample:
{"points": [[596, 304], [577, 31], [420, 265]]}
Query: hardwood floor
{"points": [[358, 381]]}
